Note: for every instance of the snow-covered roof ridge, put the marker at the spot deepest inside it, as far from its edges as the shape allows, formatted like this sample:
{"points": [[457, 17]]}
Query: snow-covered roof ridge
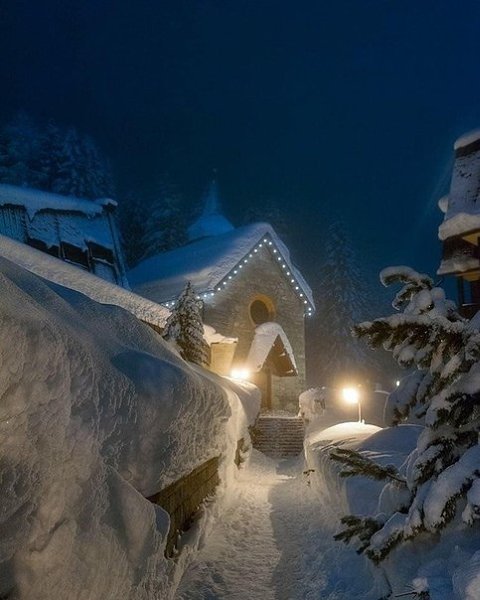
{"points": [[34, 201], [210, 262], [263, 340], [67, 275]]}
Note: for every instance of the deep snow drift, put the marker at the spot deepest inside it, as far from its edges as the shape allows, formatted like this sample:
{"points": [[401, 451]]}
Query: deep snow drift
{"points": [[97, 412]]}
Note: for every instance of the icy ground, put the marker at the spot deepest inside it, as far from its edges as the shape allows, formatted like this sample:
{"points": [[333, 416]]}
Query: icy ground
{"points": [[273, 541]]}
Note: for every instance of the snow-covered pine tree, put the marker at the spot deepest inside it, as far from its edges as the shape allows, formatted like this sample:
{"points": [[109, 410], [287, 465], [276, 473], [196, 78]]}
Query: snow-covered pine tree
{"points": [[267, 210], [80, 168], [132, 217], [184, 327], [444, 469], [19, 152], [343, 299], [164, 225], [50, 154], [98, 172]]}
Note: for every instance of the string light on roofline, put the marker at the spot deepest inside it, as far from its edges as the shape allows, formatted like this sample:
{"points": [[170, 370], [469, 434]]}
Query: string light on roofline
{"points": [[239, 266]]}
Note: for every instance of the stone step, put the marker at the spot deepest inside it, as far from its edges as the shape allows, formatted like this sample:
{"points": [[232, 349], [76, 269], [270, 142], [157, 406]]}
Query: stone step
{"points": [[278, 436]]}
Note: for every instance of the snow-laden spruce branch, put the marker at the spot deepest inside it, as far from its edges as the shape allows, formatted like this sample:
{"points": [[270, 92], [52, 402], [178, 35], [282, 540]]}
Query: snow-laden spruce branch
{"points": [[427, 334], [357, 464]]}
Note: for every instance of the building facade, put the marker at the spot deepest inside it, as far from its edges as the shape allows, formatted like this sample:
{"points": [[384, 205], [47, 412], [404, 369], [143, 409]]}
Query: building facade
{"points": [[78, 231], [460, 230], [251, 293]]}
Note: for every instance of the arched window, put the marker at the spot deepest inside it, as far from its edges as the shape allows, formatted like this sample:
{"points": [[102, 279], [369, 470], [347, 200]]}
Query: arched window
{"points": [[262, 310]]}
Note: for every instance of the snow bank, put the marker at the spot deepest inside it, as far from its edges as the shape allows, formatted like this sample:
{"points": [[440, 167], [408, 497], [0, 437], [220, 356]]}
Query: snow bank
{"points": [[448, 566], [97, 412], [75, 278]]}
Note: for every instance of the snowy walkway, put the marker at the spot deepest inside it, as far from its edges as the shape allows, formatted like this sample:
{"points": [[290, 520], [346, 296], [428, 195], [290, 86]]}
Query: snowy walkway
{"points": [[273, 542]]}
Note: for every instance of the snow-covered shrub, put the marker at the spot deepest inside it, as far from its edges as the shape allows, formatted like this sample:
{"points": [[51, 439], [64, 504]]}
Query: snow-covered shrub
{"points": [[312, 403], [442, 475]]}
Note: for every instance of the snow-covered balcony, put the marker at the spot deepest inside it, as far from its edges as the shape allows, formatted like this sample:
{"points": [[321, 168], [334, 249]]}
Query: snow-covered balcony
{"points": [[460, 230]]}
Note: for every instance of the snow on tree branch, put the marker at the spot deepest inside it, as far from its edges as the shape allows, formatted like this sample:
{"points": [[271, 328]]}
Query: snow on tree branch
{"points": [[429, 335]]}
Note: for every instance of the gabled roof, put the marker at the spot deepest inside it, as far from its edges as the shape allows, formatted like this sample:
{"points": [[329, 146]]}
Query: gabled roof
{"points": [[211, 262], [270, 341], [34, 201]]}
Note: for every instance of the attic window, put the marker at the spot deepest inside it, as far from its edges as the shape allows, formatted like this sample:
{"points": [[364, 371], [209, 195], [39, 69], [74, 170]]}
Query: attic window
{"points": [[262, 310]]}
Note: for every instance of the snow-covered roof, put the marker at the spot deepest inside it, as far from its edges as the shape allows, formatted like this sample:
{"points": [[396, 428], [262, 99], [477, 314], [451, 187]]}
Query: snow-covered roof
{"points": [[458, 224], [466, 139], [67, 275], [210, 262], [213, 337], [34, 201], [263, 341], [462, 206], [457, 264]]}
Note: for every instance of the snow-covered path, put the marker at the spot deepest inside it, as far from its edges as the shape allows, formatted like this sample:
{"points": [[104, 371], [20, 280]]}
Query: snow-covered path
{"points": [[273, 542]]}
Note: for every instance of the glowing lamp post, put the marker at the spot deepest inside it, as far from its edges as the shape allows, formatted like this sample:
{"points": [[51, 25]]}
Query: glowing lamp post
{"points": [[352, 396]]}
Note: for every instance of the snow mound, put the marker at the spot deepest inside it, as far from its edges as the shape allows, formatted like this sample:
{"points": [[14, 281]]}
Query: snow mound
{"points": [[97, 413], [75, 278]]}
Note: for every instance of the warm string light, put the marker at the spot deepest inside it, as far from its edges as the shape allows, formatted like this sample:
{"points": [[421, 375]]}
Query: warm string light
{"points": [[244, 261]]}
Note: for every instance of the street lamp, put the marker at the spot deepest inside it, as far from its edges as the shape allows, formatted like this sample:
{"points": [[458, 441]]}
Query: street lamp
{"points": [[352, 396]]}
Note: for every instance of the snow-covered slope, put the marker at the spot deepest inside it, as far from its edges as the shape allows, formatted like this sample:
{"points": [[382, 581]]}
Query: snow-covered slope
{"points": [[96, 413]]}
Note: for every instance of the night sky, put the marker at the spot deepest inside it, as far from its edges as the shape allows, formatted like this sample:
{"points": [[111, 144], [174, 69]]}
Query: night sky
{"points": [[346, 107]]}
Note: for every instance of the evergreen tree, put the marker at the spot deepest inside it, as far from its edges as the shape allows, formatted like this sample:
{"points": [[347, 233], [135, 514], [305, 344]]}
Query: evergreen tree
{"points": [[185, 328], [133, 214], [343, 299], [164, 225], [79, 168], [442, 473], [98, 173], [267, 210], [19, 152], [50, 154], [69, 177]]}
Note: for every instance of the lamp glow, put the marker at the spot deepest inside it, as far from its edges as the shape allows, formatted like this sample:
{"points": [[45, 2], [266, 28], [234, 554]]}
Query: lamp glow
{"points": [[240, 374], [352, 396]]}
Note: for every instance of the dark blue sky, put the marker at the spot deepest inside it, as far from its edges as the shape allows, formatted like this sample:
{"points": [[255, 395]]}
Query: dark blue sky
{"points": [[346, 106]]}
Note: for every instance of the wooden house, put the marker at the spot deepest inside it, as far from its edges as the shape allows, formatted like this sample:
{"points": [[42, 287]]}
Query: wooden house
{"points": [[460, 230], [252, 295], [78, 231]]}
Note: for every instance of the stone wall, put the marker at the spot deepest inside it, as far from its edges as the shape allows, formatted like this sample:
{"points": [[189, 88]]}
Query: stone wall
{"points": [[228, 312], [182, 499]]}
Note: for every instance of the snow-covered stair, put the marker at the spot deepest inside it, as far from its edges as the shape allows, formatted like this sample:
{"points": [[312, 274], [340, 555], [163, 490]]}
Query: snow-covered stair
{"points": [[278, 436]]}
